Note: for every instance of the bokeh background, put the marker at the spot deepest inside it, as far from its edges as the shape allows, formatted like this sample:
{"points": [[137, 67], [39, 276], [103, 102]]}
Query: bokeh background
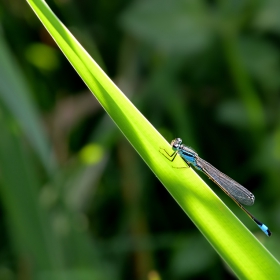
{"points": [[76, 201]]}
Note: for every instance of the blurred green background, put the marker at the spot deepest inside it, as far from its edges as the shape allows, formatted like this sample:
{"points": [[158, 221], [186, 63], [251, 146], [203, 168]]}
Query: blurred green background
{"points": [[76, 201]]}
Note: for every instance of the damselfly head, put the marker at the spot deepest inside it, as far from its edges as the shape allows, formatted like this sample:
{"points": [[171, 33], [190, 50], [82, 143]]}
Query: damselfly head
{"points": [[176, 143]]}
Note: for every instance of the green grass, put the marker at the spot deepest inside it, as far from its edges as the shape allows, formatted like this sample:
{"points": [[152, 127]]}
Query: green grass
{"points": [[244, 254]]}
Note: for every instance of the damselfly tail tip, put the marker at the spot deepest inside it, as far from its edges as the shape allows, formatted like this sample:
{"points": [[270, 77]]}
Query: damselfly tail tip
{"points": [[263, 227]]}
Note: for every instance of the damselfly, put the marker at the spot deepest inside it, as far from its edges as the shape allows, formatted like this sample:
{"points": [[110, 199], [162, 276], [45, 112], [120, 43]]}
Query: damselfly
{"points": [[234, 190]]}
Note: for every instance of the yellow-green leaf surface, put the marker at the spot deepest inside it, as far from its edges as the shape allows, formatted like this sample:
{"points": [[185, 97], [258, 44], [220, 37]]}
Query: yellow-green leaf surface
{"points": [[234, 243]]}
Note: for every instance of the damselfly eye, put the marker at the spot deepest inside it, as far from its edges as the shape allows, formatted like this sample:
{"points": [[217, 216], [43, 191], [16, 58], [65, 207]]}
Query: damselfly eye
{"points": [[178, 141]]}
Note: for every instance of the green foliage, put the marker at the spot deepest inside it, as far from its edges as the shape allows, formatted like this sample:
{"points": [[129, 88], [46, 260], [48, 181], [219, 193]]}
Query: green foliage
{"points": [[205, 72]]}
